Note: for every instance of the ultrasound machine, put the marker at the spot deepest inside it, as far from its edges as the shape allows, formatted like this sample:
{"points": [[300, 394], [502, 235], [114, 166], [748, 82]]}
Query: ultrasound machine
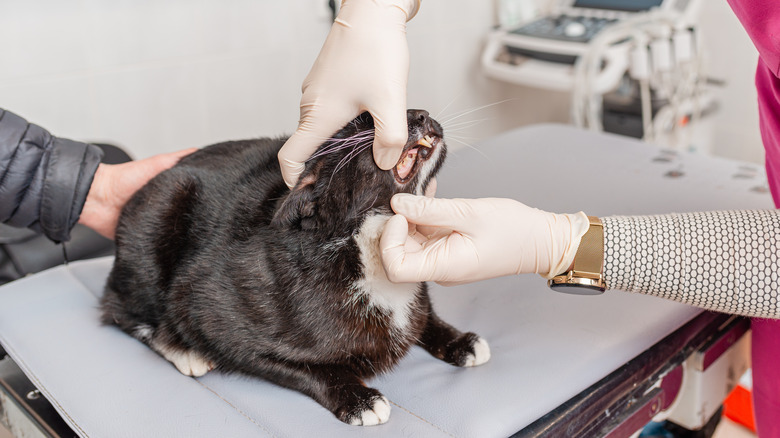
{"points": [[542, 53], [632, 67]]}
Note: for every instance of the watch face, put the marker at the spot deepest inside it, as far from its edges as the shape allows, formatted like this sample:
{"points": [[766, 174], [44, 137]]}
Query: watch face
{"points": [[576, 289]]}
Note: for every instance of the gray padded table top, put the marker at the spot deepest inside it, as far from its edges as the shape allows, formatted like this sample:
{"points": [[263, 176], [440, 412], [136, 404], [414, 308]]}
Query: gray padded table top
{"points": [[546, 347]]}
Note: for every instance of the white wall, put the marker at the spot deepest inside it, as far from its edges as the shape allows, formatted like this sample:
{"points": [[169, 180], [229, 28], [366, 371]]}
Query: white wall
{"points": [[731, 56], [159, 76]]}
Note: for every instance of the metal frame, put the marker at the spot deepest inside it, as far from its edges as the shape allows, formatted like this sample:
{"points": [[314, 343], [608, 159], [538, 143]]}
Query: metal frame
{"points": [[623, 402], [23, 408]]}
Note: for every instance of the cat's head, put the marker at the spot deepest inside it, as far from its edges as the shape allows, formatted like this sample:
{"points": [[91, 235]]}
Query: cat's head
{"points": [[342, 183]]}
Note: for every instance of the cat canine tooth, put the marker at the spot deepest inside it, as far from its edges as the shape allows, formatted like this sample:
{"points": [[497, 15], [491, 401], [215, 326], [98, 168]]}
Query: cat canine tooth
{"points": [[426, 141]]}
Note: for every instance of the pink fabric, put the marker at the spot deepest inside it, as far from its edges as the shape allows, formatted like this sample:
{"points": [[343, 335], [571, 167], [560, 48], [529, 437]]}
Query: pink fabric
{"points": [[766, 333], [766, 376], [761, 20], [768, 87]]}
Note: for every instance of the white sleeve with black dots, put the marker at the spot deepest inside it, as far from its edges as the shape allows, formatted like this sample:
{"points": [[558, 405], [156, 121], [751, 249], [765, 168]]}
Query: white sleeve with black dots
{"points": [[728, 261]]}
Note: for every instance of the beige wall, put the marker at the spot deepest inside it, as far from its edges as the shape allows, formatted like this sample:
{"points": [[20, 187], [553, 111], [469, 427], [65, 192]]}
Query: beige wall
{"points": [[158, 76]]}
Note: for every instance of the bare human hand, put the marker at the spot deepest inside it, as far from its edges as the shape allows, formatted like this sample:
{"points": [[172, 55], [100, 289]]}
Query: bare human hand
{"points": [[114, 184]]}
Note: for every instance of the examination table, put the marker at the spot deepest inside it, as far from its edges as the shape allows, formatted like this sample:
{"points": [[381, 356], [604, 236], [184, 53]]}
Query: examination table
{"points": [[561, 365]]}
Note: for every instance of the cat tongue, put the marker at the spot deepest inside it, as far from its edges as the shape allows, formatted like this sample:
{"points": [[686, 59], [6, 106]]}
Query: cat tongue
{"points": [[405, 166]]}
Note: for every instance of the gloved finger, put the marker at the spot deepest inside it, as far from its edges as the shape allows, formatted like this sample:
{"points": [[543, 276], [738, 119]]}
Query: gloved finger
{"points": [[416, 236], [437, 212], [311, 133], [430, 191], [390, 132], [454, 283], [392, 246], [401, 264]]}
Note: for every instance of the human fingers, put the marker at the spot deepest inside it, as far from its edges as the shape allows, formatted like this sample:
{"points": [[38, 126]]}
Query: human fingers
{"points": [[311, 133], [124, 179], [392, 245], [455, 214], [430, 191], [402, 257], [157, 163], [391, 130]]}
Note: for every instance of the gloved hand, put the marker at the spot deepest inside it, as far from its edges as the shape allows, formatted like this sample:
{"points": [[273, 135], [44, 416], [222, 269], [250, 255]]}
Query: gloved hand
{"points": [[114, 184], [363, 66], [454, 241]]}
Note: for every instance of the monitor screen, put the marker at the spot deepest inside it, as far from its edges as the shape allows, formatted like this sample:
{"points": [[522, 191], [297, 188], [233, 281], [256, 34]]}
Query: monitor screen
{"points": [[618, 5]]}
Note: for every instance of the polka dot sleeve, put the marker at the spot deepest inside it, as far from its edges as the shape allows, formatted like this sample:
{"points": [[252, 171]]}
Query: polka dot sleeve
{"points": [[728, 261]]}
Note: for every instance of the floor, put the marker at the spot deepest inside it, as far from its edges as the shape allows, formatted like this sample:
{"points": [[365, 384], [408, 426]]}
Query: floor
{"points": [[726, 429]]}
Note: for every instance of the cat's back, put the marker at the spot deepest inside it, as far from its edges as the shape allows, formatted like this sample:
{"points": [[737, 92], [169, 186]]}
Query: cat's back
{"points": [[194, 210], [231, 165], [211, 186]]}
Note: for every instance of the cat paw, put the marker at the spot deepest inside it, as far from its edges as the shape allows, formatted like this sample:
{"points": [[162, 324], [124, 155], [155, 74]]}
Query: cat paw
{"points": [[378, 413], [189, 363], [366, 411], [480, 355], [468, 350]]}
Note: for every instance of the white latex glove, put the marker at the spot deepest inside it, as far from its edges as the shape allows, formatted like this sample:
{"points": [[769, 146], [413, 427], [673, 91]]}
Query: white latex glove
{"points": [[455, 241], [363, 66]]}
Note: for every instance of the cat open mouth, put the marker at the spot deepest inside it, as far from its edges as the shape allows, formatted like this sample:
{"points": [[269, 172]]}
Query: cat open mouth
{"points": [[414, 154]]}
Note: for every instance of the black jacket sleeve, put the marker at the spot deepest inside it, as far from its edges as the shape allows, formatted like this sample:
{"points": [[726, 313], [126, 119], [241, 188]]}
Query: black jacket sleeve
{"points": [[44, 180]]}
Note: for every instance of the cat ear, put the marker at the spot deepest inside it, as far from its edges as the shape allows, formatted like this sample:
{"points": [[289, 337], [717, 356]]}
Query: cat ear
{"points": [[299, 206]]}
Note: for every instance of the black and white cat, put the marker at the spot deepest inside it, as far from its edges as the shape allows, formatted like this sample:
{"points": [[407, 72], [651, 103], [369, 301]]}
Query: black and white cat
{"points": [[220, 266]]}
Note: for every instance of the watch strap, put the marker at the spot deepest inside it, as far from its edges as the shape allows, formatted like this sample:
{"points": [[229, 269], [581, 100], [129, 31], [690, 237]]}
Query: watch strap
{"points": [[590, 254], [586, 276]]}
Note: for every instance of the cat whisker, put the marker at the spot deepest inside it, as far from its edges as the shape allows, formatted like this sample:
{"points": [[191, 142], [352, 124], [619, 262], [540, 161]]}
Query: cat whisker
{"points": [[352, 154], [363, 134], [333, 150], [460, 138], [369, 207], [344, 161], [468, 123], [458, 132], [447, 106], [467, 112], [359, 134], [340, 144], [469, 145]]}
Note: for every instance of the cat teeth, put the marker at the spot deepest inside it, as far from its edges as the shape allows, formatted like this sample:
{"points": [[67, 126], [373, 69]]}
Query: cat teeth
{"points": [[426, 141]]}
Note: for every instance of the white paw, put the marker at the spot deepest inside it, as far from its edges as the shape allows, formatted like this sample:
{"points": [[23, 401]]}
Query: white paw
{"points": [[481, 354], [378, 414], [196, 365], [189, 363]]}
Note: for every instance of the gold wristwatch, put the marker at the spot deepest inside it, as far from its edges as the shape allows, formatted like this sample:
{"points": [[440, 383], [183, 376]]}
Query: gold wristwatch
{"points": [[585, 277]]}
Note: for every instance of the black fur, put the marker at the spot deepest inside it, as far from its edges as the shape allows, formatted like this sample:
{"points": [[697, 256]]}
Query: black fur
{"points": [[217, 257]]}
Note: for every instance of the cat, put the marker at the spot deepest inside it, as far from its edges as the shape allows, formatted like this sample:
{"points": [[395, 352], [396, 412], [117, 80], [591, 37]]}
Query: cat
{"points": [[220, 266]]}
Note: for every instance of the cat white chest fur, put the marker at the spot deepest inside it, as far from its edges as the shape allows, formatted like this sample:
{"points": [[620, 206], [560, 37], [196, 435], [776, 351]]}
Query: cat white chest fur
{"points": [[392, 298]]}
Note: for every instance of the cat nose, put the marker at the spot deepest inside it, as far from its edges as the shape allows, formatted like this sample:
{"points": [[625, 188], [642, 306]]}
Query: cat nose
{"points": [[419, 116]]}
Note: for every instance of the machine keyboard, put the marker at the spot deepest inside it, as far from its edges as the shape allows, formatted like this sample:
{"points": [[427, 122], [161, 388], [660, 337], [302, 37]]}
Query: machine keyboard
{"points": [[565, 28]]}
